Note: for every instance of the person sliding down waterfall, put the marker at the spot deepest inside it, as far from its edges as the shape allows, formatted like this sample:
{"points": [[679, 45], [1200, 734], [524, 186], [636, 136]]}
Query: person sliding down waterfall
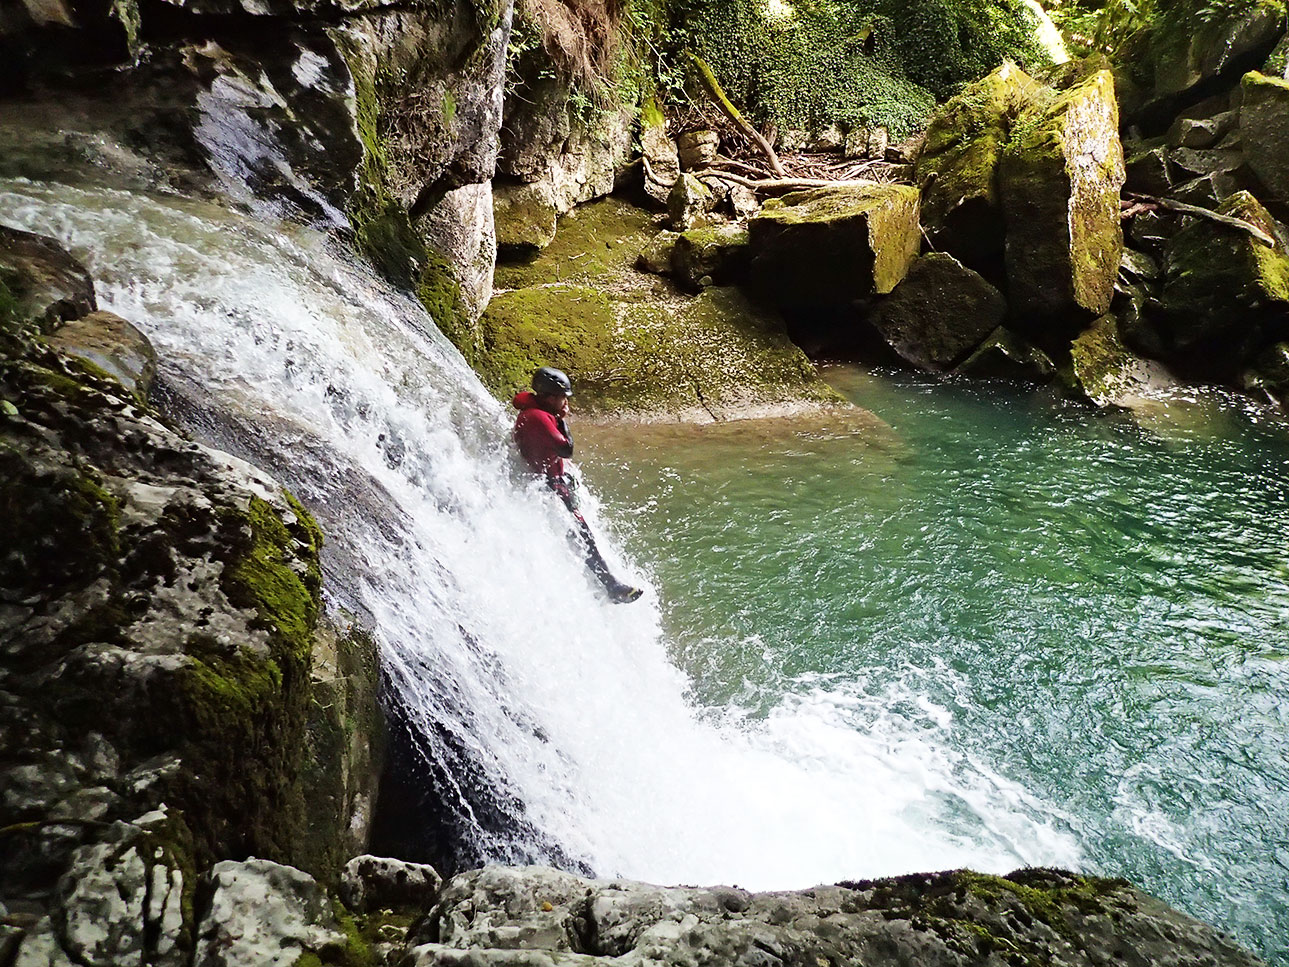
{"points": [[541, 431]]}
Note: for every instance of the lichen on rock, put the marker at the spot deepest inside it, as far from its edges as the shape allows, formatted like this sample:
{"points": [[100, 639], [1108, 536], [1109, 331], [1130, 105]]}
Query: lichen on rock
{"points": [[1059, 183]]}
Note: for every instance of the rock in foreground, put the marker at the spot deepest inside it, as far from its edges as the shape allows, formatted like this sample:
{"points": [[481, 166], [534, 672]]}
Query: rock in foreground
{"points": [[539, 917]]}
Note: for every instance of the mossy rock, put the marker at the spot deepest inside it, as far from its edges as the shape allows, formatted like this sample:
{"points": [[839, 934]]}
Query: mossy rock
{"points": [[1059, 183], [1193, 40], [1224, 291], [526, 218], [1108, 373], [716, 253], [1005, 355], [1264, 133], [939, 314], [831, 246], [958, 164]]}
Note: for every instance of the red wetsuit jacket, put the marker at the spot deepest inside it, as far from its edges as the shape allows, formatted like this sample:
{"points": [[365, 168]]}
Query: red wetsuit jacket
{"points": [[542, 442]]}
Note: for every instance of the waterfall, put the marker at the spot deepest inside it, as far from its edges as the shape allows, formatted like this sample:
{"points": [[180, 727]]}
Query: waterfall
{"points": [[561, 731]]}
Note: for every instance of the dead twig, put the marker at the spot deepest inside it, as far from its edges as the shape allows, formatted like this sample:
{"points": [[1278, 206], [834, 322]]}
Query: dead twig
{"points": [[783, 184], [717, 94]]}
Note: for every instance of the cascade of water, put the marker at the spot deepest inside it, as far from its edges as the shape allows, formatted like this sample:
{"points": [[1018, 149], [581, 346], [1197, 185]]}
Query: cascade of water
{"points": [[560, 729]]}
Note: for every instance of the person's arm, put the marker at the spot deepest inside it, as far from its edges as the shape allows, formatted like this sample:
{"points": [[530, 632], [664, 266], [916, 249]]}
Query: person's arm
{"points": [[562, 425]]}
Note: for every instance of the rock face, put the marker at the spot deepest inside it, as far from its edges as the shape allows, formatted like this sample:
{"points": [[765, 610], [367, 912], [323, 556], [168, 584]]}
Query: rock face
{"points": [[157, 624], [1264, 132], [541, 917], [939, 313], [831, 246], [1059, 182], [1203, 47], [959, 163]]}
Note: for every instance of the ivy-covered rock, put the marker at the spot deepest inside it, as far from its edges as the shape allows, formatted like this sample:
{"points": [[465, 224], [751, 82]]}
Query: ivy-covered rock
{"points": [[829, 247], [1109, 373], [1059, 183], [1264, 133], [542, 917], [1193, 41], [1224, 291], [958, 166], [939, 313]]}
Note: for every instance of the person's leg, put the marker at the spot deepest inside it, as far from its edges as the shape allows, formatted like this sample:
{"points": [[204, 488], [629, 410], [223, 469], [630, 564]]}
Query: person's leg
{"points": [[594, 559]]}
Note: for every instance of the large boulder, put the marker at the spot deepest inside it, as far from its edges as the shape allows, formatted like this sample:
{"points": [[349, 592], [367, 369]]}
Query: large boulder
{"points": [[1225, 291], [829, 247], [1264, 132], [714, 254], [113, 345], [939, 313], [1059, 183], [1004, 355], [542, 917], [959, 161]]}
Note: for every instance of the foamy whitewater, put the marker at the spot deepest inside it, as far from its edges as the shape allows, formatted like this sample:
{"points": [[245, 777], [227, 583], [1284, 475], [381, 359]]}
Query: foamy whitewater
{"points": [[276, 343]]}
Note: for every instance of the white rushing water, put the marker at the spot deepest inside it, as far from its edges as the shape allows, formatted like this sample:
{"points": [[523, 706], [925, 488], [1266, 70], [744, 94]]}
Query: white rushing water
{"points": [[273, 342]]}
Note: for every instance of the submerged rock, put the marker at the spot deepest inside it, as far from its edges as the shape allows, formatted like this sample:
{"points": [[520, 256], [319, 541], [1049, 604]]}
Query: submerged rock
{"points": [[1264, 129], [542, 917], [832, 246], [1060, 180], [1109, 374], [959, 160], [1004, 355], [939, 313]]}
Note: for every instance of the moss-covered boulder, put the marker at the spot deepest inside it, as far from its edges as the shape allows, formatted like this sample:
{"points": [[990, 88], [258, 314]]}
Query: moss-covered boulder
{"points": [[939, 313], [634, 345], [1268, 374], [1193, 41], [1109, 374], [525, 217], [959, 161], [1059, 183], [829, 247], [688, 201], [1224, 291], [1264, 133], [717, 254], [106, 341]]}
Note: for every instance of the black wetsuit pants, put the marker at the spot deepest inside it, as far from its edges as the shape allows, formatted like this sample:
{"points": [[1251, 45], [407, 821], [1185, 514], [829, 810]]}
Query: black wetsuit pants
{"points": [[581, 532]]}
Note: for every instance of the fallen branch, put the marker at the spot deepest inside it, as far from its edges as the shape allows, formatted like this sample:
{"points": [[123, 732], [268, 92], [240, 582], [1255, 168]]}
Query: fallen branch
{"points": [[1182, 208], [717, 94], [649, 174], [781, 184]]}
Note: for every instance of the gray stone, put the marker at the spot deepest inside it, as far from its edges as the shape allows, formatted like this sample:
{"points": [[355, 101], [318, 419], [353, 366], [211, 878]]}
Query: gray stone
{"points": [[113, 345], [832, 246], [879, 140], [538, 917], [1147, 170], [1109, 374], [50, 285], [380, 882], [1138, 265], [460, 229], [939, 313], [856, 145], [1264, 129], [688, 202], [697, 149], [792, 140], [718, 253], [1200, 132], [263, 914], [526, 217], [1211, 47], [827, 138], [660, 152], [743, 201]]}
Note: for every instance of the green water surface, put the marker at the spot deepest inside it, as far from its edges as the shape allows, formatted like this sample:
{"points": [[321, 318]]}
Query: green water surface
{"points": [[1100, 601]]}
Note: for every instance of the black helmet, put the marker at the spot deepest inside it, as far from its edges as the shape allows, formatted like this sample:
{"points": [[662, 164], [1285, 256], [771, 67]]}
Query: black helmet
{"points": [[551, 382]]}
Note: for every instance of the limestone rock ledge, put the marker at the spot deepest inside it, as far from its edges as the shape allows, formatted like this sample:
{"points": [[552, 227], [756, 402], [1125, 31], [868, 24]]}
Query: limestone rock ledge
{"points": [[539, 917]]}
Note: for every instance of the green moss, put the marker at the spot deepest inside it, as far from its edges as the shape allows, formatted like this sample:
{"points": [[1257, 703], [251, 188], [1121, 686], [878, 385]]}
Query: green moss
{"points": [[440, 292]]}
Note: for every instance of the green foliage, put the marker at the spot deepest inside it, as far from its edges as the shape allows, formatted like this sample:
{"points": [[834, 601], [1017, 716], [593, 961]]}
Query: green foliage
{"points": [[807, 63]]}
